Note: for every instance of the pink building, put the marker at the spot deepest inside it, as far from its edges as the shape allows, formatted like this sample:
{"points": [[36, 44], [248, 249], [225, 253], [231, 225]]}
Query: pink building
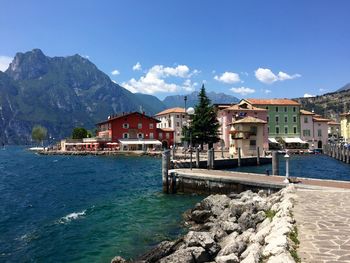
{"points": [[228, 115]]}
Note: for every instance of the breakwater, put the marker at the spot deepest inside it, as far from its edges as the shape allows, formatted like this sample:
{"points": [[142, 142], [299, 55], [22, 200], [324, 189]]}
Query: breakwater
{"points": [[339, 152], [245, 227]]}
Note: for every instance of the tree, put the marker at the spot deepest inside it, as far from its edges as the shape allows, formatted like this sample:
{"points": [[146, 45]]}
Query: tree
{"points": [[79, 133], [39, 133], [205, 124]]}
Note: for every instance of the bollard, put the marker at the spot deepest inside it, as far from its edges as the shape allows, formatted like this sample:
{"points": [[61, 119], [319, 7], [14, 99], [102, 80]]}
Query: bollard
{"points": [[258, 156], [275, 163], [212, 158], [173, 152], [172, 186], [239, 157], [347, 155], [165, 170], [208, 159], [197, 157]]}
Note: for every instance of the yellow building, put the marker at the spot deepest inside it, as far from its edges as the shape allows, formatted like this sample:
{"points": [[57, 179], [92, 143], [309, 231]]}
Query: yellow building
{"points": [[345, 126], [247, 134]]}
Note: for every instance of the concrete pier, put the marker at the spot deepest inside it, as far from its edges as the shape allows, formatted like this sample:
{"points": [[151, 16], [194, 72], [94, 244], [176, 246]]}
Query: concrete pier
{"points": [[338, 152]]}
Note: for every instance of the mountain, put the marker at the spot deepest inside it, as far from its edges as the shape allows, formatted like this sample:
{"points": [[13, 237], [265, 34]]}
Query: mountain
{"points": [[330, 104], [60, 93], [192, 99], [346, 87]]}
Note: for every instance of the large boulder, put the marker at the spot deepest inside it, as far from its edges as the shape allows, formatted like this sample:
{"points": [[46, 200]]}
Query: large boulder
{"points": [[232, 258], [215, 203], [187, 255], [202, 239]]}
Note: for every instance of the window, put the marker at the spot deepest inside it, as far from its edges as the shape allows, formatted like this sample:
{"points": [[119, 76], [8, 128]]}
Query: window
{"points": [[151, 136], [267, 118], [319, 132], [306, 119], [295, 130], [177, 124], [167, 135], [294, 109], [276, 109], [253, 130], [252, 144], [140, 135], [277, 130], [183, 116], [125, 135], [268, 129], [177, 116], [151, 125], [126, 125], [160, 135], [306, 132], [294, 119], [267, 107], [285, 119], [277, 119], [286, 130], [139, 125], [285, 109]]}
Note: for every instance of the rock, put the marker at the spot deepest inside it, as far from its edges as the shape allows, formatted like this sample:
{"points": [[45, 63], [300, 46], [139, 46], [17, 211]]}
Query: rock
{"points": [[284, 257], [253, 257], [232, 258], [118, 260], [253, 250], [200, 216], [217, 233], [276, 244], [249, 220], [236, 247], [230, 227], [187, 255], [201, 239], [215, 203], [161, 250], [259, 237]]}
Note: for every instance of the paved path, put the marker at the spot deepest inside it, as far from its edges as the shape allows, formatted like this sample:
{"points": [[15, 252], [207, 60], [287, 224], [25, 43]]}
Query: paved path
{"points": [[323, 220]]}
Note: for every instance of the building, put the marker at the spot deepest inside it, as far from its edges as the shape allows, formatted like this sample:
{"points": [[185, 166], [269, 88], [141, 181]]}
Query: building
{"points": [[228, 114], [333, 131], [247, 134], [345, 126], [314, 129], [135, 131], [173, 120], [283, 119]]}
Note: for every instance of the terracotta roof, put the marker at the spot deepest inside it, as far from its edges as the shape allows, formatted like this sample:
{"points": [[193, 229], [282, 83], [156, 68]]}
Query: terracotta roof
{"points": [[305, 112], [333, 123], [250, 108], [124, 115], [320, 119], [345, 114], [288, 102], [249, 120], [171, 110], [166, 129]]}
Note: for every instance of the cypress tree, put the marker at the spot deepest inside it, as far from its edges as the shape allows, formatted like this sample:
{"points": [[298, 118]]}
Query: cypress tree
{"points": [[205, 124]]}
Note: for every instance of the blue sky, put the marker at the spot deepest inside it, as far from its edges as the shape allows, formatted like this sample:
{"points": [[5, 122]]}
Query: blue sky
{"points": [[244, 48]]}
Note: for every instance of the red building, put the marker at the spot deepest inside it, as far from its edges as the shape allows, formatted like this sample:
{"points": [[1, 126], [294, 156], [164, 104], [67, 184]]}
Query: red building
{"points": [[134, 131]]}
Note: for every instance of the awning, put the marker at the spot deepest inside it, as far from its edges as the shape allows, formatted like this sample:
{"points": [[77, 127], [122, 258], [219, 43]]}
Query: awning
{"points": [[135, 141], [80, 143], [112, 143], [294, 140], [272, 140]]}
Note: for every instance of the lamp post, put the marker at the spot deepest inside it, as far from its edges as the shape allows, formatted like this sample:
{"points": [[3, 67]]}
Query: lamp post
{"points": [[286, 156], [190, 112]]}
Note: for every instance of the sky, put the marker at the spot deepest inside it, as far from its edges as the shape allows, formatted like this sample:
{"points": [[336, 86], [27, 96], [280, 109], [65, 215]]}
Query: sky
{"points": [[245, 48]]}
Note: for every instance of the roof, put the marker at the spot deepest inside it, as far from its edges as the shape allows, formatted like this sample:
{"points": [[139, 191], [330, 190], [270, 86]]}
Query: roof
{"points": [[333, 123], [345, 114], [171, 110], [305, 112], [294, 140], [240, 107], [287, 102], [139, 141], [320, 119], [111, 118], [249, 120], [166, 129]]}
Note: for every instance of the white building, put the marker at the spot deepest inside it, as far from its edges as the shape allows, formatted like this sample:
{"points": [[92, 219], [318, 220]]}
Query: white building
{"points": [[173, 119]]}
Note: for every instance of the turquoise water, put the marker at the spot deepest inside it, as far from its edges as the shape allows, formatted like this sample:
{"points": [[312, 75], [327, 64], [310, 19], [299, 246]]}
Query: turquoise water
{"points": [[83, 208], [309, 166]]}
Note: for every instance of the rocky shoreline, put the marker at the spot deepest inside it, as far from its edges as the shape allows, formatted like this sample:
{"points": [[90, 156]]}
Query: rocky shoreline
{"points": [[247, 227]]}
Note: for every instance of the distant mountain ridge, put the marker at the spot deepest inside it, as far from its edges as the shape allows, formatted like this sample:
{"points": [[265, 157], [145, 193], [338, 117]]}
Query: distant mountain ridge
{"points": [[61, 93], [346, 87]]}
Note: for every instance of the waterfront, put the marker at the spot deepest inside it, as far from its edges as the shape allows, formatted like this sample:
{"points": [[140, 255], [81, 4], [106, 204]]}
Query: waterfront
{"points": [[309, 166], [83, 208]]}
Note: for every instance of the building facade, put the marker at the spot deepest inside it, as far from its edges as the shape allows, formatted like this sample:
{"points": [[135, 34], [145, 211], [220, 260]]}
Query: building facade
{"points": [[229, 114], [345, 126], [283, 117], [247, 135], [333, 131], [173, 119], [314, 129]]}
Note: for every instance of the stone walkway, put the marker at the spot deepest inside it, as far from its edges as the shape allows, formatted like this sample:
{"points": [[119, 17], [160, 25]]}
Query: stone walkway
{"points": [[323, 221]]}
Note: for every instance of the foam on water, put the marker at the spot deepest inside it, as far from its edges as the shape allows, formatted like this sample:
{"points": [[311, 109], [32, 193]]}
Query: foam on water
{"points": [[72, 216]]}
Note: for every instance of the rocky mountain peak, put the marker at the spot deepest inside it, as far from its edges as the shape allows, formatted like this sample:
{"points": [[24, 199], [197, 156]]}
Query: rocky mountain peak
{"points": [[29, 65]]}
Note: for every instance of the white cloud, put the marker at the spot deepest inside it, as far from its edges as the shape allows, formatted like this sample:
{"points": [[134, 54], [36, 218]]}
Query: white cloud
{"points": [[243, 90], [115, 72], [307, 95], [265, 75], [228, 77], [137, 67], [5, 62], [267, 91], [154, 80], [322, 90]]}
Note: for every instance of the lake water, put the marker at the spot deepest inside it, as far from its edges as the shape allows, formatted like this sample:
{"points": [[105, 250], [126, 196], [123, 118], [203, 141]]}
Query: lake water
{"points": [[308, 165], [83, 208]]}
